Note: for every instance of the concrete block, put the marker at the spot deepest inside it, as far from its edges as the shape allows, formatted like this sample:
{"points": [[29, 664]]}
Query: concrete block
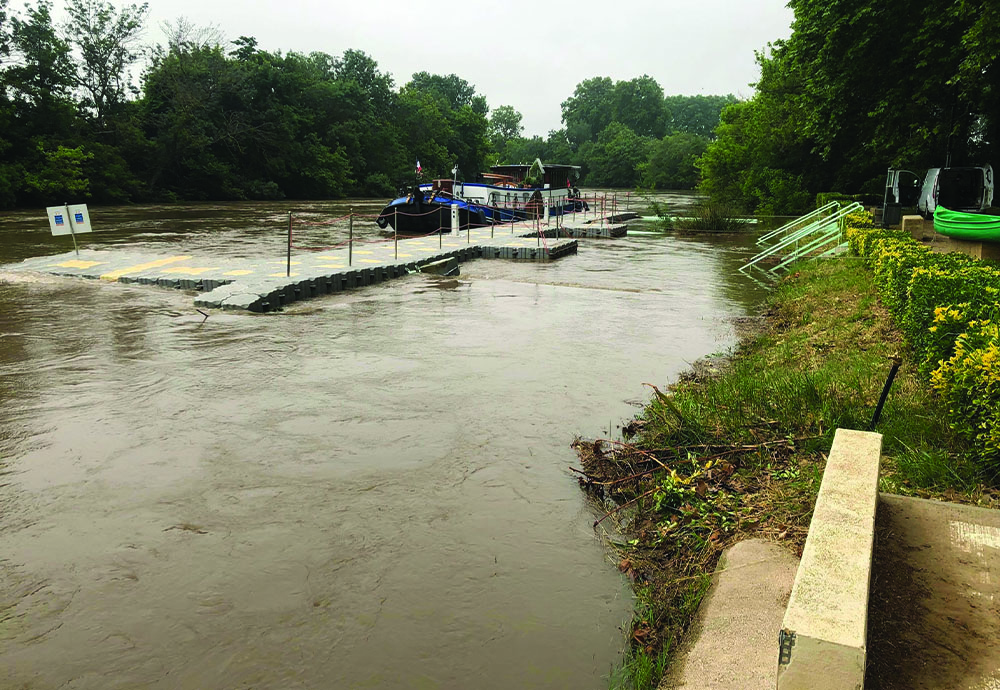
{"points": [[918, 228], [976, 250], [824, 631]]}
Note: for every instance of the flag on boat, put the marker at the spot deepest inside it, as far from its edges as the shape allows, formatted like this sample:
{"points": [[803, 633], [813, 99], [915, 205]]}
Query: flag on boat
{"points": [[419, 169]]}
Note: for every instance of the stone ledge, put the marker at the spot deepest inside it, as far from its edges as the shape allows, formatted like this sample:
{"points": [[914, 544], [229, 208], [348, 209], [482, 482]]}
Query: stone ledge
{"points": [[825, 625]]}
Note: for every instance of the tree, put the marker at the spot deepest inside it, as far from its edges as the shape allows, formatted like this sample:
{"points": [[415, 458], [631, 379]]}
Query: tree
{"points": [[107, 42], [638, 104], [695, 114], [183, 34], [589, 110], [4, 32], [453, 90], [505, 125], [60, 176], [612, 160], [671, 162]]}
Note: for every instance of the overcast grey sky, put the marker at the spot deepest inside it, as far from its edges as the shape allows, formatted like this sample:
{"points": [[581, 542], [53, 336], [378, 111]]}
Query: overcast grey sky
{"points": [[527, 55]]}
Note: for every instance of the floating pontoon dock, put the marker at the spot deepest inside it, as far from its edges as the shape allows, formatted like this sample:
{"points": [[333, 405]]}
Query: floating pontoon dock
{"points": [[266, 285]]}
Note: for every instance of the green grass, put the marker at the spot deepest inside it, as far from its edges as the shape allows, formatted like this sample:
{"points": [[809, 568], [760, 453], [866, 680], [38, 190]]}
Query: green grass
{"points": [[715, 460]]}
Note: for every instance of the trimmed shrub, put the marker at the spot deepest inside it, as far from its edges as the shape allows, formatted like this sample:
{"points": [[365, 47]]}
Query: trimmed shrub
{"points": [[969, 381], [947, 306]]}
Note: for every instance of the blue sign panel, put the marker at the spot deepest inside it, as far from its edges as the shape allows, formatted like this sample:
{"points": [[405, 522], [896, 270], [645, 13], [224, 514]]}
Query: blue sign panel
{"points": [[78, 217], [59, 219]]}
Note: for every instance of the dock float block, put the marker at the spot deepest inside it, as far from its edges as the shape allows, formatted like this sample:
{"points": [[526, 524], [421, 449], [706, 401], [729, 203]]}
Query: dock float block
{"points": [[255, 285], [823, 638]]}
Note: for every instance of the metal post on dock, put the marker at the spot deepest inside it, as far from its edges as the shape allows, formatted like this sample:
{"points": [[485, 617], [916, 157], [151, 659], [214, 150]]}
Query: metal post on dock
{"points": [[628, 197], [395, 231], [72, 230], [288, 258], [350, 237]]}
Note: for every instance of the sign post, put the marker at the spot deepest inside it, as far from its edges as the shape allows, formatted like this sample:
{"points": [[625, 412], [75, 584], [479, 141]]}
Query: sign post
{"points": [[69, 220]]}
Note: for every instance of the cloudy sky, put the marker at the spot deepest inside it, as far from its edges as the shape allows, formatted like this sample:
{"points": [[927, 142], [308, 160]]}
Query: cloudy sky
{"points": [[529, 55]]}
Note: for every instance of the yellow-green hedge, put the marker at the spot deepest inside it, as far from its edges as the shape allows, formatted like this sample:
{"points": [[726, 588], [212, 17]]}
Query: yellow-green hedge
{"points": [[948, 306]]}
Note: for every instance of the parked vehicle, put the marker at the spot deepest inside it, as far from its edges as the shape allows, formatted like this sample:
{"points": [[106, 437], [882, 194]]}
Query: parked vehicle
{"points": [[966, 189], [902, 189]]}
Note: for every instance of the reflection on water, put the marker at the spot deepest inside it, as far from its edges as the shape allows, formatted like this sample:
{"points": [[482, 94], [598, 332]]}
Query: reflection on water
{"points": [[367, 490]]}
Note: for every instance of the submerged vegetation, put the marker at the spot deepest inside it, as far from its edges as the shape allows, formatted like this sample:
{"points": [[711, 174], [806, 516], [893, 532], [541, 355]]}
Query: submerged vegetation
{"points": [[712, 216], [737, 448], [707, 216]]}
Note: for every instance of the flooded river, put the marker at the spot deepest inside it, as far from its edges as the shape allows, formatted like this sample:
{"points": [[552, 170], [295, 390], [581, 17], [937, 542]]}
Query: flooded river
{"points": [[367, 490]]}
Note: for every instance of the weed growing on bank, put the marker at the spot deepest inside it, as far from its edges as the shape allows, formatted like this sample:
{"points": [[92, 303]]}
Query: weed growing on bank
{"points": [[714, 460]]}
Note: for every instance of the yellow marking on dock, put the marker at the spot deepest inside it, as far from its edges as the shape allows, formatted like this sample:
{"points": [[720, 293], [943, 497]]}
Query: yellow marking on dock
{"points": [[405, 255], [282, 275], [115, 275], [283, 263], [238, 272], [190, 271], [329, 257], [77, 263], [362, 251], [370, 261], [329, 266]]}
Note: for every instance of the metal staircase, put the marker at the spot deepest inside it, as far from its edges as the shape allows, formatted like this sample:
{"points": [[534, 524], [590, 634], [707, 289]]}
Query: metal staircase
{"points": [[814, 235]]}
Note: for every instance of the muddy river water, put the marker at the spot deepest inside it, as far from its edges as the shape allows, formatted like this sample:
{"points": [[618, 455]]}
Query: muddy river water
{"points": [[367, 490]]}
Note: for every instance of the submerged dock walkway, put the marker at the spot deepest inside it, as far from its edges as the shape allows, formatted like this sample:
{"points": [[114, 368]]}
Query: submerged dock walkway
{"points": [[262, 285]]}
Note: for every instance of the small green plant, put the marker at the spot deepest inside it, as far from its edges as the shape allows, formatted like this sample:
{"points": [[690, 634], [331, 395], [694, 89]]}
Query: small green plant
{"points": [[662, 212]]}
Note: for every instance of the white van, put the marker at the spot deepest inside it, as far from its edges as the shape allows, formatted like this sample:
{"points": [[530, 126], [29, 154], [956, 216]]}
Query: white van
{"points": [[956, 189]]}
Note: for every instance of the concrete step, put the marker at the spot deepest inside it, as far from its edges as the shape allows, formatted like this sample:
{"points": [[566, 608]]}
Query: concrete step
{"points": [[734, 642]]}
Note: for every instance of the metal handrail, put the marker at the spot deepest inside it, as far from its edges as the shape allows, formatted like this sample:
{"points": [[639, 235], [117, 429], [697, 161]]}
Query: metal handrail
{"points": [[823, 240], [830, 227], [832, 206]]}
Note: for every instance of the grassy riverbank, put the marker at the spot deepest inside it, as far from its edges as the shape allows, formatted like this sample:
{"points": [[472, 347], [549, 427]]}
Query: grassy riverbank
{"points": [[737, 448]]}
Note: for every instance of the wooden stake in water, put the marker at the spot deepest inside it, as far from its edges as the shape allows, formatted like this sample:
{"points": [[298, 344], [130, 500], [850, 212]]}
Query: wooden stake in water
{"points": [[350, 236], [288, 256], [395, 231]]}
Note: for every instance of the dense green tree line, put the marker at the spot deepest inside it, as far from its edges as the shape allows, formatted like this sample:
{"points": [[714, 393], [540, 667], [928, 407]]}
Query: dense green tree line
{"points": [[860, 86], [89, 113], [622, 134], [207, 122]]}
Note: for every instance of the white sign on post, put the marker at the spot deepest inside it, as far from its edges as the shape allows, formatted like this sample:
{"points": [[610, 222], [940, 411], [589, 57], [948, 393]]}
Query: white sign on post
{"points": [[69, 220]]}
